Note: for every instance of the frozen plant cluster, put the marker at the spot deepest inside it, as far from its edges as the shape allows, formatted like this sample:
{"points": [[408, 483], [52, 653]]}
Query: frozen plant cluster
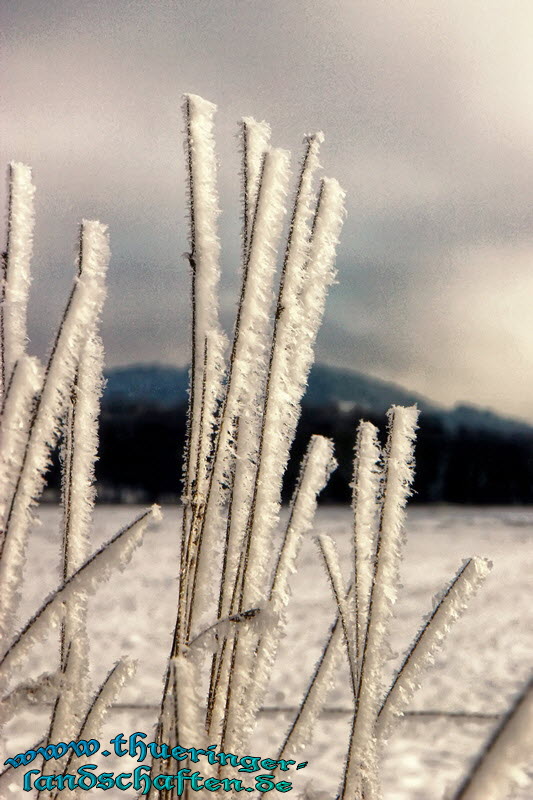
{"points": [[41, 406], [243, 413], [235, 570]]}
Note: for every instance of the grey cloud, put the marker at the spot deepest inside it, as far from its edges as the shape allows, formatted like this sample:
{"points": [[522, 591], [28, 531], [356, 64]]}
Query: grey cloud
{"points": [[427, 120]]}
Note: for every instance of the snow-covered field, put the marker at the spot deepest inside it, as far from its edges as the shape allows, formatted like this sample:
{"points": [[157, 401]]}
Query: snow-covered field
{"points": [[486, 659]]}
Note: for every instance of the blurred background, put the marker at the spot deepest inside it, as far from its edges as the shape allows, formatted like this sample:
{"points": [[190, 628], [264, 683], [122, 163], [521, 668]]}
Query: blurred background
{"points": [[428, 116]]}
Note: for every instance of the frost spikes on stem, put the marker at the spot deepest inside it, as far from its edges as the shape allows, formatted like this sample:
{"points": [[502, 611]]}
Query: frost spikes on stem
{"points": [[189, 722], [248, 353], [287, 384], [114, 554], [79, 453], [366, 487], [248, 368], [180, 718], [79, 448], [315, 472], [21, 224], [283, 391], [284, 386], [254, 138], [345, 608], [254, 144], [327, 224], [17, 407], [448, 609], [254, 141], [279, 389], [398, 479], [91, 726], [205, 390], [208, 341], [316, 469], [82, 310]]}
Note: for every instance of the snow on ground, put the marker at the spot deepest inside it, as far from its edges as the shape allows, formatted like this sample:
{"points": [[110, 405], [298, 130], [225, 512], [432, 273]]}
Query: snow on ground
{"points": [[486, 658]]}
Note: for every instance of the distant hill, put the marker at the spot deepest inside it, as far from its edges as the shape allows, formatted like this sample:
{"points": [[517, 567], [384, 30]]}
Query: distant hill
{"points": [[465, 455], [166, 387], [352, 390], [147, 384]]}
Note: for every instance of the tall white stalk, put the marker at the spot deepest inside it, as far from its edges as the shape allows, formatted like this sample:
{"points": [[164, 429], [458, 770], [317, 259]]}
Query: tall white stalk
{"points": [[21, 222], [255, 139], [286, 388], [242, 463], [361, 762], [280, 390], [366, 488], [248, 368], [79, 455], [207, 340], [17, 407], [275, 374], [318, 465], [206, 372], [249, 353], [83, 309]]}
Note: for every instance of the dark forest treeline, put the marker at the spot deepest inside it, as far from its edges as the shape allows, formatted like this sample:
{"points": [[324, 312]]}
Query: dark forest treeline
{"points": [[141, 450]]}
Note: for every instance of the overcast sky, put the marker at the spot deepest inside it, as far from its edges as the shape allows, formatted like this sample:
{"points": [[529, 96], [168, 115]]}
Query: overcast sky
{"points": [[427, 108]]}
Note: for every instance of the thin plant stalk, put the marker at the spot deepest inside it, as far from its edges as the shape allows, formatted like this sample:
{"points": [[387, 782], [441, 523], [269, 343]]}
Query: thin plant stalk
{"points": [[21, 222], [114, 554], [361, 761], [255, 299], [248, 456], [83, 308], [287, 386], [366, 488], [453, 600]]}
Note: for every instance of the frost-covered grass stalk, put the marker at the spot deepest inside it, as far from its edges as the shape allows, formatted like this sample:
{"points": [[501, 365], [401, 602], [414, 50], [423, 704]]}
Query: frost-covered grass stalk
{"points": [[16, 279], [40, 408]]}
